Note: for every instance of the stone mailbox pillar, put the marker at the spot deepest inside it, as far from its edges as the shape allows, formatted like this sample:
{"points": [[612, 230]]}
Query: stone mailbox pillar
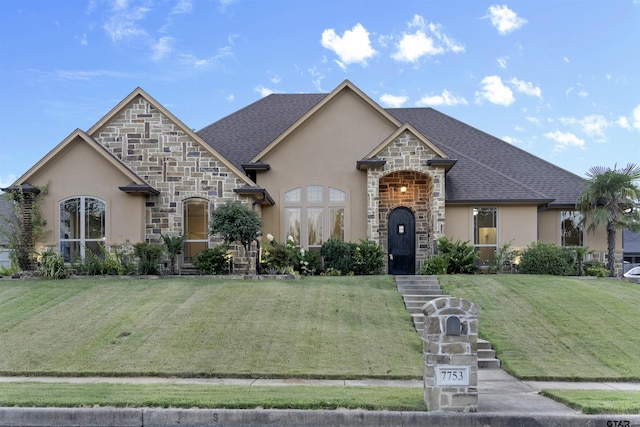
{"points": [[450, 339]]}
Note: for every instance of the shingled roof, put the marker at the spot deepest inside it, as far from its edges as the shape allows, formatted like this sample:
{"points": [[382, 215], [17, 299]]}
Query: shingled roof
{"points": [[488, 170]]}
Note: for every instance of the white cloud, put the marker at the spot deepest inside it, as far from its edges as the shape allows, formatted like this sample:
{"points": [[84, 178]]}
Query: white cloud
{"points": [[393, 101], [502, 61], [123, 24], [191, 60], [263, 91], [161, 48], [353, 47], [446, 98], [318, 77], [526, 87], [183, 7], [593, 125], [494, 91], [564, 140], [636, 117], [511, 140], [504, 19], [623, 122], [230, 97], [426, 40]]}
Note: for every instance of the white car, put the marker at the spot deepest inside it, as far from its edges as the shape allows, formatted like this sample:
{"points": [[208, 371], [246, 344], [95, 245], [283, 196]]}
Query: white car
{"points": [[633, 274]]}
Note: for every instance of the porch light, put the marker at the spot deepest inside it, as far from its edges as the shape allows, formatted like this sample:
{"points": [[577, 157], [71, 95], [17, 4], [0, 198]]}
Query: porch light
{"points": [[403, 189]]}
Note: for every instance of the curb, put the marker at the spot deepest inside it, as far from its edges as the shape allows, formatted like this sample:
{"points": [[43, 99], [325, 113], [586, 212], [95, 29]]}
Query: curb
{"points": [[143, 417]]}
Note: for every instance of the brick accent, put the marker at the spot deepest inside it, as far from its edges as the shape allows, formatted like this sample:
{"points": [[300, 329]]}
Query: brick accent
{"points": [[406, 164], [161, 152]]}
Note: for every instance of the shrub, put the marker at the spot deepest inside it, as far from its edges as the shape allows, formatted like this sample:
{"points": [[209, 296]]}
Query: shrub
{"points": [[103, 263], [368, 258], [149, 255], [597, 271], [435, 265], [213, 260], [52, 265], [547, 258], [337, 255], [461, 256], [280, 257], [331, 272]]}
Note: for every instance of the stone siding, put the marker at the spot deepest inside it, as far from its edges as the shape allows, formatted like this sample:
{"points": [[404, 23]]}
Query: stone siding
{"points": [[163, 154], [406, 164]]}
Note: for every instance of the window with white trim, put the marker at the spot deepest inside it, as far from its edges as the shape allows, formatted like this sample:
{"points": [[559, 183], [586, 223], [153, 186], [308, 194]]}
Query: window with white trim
{"points": [[82, 226], [485, 232], [314, 214]]}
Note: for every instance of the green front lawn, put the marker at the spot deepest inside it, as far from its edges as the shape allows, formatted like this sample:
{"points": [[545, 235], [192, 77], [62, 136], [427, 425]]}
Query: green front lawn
{"points": [[547, 327], [320, 327], [206, 396], [598, 401]]}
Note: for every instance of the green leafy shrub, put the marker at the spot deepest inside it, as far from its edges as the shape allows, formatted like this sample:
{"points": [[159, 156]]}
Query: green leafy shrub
{"points": [[280, 257], [213, 260], [331, 272], [368, 258], [103, 263], [597, 271], [149, 255], [435, 265], [337, 255], [52, 265], [236, 222], [461, 256], [547, 258]]}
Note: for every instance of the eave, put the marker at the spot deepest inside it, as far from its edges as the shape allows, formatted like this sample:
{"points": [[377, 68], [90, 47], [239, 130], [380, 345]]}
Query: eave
{"points": [[447, 164], [247, 190], [365, 164], [134, 188]]}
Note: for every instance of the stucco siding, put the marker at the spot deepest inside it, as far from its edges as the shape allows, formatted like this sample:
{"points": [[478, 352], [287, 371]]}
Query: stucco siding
{"points": [[79, 170], [324, 151]]}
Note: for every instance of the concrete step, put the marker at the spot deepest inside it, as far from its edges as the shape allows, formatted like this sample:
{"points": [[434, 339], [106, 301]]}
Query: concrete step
{"points": [[486, 354], [488, 363], [484, 344]]}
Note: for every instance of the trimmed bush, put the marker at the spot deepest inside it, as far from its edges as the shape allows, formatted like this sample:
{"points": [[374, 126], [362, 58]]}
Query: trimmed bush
{"points": [[547, 258], [368, 258], [213, 260], [337, 255]]}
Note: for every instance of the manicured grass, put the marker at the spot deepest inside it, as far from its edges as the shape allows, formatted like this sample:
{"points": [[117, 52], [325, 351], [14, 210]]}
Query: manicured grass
{"points": [[598, 401], [546, 327], [321, 327], [203, 396]]}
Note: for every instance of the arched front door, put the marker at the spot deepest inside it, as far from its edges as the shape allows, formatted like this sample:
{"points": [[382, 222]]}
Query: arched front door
{"points": [[402, 241]]}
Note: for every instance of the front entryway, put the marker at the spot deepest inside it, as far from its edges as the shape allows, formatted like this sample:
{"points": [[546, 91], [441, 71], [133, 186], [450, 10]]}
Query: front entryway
{"points": [[402, 241]]}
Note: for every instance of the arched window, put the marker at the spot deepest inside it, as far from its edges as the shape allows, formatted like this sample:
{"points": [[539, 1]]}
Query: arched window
{"points": [[314, 214], [82, 226], [196, 228]]}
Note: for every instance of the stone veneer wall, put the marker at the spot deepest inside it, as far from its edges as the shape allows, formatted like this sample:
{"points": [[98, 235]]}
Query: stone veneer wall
{"points": [[160, 152], [406, 163]]}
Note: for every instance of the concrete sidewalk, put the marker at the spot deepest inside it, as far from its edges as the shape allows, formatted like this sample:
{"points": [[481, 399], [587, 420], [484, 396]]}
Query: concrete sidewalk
{"points": [[498, 392]]}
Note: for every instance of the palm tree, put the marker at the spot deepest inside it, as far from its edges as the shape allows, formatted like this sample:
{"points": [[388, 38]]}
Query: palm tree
{"points": [[173, 247], [612, 197]]}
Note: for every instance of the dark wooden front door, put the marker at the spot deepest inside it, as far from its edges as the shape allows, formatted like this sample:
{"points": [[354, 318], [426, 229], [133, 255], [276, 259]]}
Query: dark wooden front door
{"points": [[402, 242]]}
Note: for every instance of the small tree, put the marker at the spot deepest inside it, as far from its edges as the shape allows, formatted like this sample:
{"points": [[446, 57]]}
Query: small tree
{"points": [[173, 247], [24, 225], [612, 197], [236, 222]]}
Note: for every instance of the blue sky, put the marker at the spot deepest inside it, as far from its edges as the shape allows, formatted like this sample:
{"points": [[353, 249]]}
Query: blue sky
{"points": [[560, 79]]}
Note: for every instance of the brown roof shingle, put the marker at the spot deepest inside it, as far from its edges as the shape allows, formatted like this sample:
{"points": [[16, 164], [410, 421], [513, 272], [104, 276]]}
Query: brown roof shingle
{"points": [[488, 169]]}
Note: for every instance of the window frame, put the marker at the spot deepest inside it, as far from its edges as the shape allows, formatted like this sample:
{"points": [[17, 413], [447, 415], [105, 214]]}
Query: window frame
{"points": [[476, 232], [82, 242], [317, 201], [185, 226]]}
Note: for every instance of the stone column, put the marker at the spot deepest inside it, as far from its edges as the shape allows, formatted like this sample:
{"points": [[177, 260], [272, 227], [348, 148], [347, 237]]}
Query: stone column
{"points": [[450, 339]]}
